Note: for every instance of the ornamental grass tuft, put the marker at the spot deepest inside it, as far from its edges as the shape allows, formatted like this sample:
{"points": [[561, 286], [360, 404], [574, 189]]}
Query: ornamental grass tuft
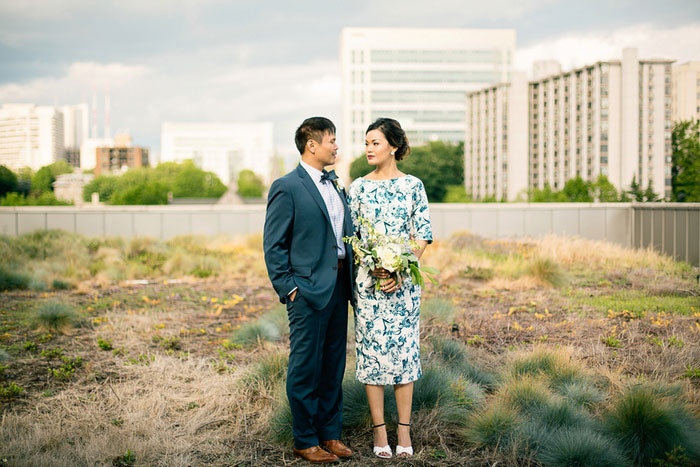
{"points": [[267, 372], [651, 420], [55, 316], [455, 356], [495, 427], [12, 280], [438, 311], [254, 333], [580, 447]]}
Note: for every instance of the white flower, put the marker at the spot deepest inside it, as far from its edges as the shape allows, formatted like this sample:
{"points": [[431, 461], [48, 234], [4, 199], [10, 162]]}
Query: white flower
{"points": [[339, 184], [389, 256]]}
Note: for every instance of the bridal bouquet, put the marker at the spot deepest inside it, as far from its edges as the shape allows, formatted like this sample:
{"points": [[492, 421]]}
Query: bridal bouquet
{"points": [[377, 250]]}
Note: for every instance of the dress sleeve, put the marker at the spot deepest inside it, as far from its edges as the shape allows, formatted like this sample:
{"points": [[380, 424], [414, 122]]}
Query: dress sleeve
{"points": [[420, 216]]}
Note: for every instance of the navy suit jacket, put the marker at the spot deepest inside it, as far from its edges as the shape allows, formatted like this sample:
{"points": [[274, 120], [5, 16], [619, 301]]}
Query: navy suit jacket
{"points": [[300, 247]]}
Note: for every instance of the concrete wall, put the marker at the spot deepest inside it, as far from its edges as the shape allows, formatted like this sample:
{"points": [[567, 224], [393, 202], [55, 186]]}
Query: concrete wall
{"points": [[673, 228]]}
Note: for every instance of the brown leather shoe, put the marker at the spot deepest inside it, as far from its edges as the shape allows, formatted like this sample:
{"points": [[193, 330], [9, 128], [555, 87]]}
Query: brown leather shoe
{"points": [[315, 455], [338, 448]]}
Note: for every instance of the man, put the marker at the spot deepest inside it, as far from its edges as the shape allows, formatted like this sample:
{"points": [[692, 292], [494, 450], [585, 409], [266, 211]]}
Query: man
{"points": [[310, 268]]}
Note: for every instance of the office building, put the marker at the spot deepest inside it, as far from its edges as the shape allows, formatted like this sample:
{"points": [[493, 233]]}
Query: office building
{"points": [[75, 125], [417, 76], [495, 144], [30, 136], [686, 91], [222, 148], [611, 118], [88, 151]]}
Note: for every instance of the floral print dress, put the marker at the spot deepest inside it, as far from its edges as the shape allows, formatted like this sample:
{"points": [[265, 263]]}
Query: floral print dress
{"points": [[386, 324]]}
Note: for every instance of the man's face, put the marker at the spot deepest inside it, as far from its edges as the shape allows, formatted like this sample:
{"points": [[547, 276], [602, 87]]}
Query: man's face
{"points": [[327, 151]]}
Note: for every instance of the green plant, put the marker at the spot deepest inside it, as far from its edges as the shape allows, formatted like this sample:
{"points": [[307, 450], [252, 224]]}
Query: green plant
{"points": [[280, 428], [30, 346], [455, 357], [117, 421], [104, 344], [526, 393], [580, 446], [267, 372], [251, 334], [55, 316], [142, 359], [10, 391], [58, 284], [547, 271], [476, 340], [438, 310], [495, 427], [170, 343], [650, 420], [67, 369], [55, 352], [691, 373], [356, 414], [611, 341], [674, 341], [2, 369], [11, 280], [674, 458], [4, 356], [127, 459]]}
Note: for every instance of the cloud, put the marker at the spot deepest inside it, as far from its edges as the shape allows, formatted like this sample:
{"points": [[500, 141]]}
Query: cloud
{"points": [[575, 50]]}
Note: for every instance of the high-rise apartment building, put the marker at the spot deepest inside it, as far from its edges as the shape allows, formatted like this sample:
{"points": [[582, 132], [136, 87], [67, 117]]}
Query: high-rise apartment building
{"points": [[76, 125], [495, 144], [417, 76], [222, 148], [686, 91], [611, 118], [30, 136]]}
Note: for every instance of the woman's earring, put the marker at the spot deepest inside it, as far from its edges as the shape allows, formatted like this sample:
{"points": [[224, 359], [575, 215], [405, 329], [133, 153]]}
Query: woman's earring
{"points": [[392, 152]]}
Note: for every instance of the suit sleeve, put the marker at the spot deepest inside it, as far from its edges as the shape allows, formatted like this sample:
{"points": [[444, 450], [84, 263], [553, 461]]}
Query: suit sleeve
{"points": [[277, 239]]}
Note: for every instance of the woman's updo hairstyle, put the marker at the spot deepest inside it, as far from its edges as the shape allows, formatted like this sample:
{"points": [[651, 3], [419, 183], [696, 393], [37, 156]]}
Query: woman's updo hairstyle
{"points": [[394, 134]]}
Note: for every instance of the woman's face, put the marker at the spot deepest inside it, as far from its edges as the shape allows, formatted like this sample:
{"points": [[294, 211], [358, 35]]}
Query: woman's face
{"points": [[377, 148]]}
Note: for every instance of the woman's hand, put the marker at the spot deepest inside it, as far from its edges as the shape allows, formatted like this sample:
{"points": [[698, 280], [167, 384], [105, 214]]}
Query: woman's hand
{"points": [[390, 285], [380, 273]]}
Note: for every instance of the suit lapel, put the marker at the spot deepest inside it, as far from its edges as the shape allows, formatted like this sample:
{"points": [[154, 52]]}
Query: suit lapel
{"points": [[313, 191]]}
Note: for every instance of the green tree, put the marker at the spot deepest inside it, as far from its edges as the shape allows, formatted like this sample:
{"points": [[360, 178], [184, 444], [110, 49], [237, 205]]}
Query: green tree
{"points": [[457, 194], [649, 195], [24, 180], [44, 199], [104, 185], [8, 181], [42, 180], [360, 167], [193, 182], [604, 191], [60, 167], [635, 191], [546, 195], [577, 190], [250, 185], [148, 192], [685, 172], [438, 165]]}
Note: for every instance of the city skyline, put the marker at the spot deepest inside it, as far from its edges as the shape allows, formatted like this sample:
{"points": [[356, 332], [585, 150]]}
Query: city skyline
{"points": [[216, 62]]}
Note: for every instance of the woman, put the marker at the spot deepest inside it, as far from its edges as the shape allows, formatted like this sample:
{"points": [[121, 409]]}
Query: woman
{"points": [[386, 321]]}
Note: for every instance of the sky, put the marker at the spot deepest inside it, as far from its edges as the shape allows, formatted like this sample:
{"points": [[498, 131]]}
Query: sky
{"points": [[277, 61]]}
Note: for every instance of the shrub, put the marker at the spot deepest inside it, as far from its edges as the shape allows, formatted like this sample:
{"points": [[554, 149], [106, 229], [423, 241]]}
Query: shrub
{"points": [[250, 185], [11, 280], [649, 421], [58, 284], [579, 446], [55, 316]]}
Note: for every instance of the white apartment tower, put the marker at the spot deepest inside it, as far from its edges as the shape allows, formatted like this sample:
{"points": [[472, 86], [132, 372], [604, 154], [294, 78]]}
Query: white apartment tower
{"points": [[30, 136], [418, 77], [611, 118], [495, 144], [222, 148], [686, 91], [76, 124]]}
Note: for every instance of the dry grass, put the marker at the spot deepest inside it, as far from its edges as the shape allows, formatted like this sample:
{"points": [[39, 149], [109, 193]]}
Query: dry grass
{"points": [[176, 391]]}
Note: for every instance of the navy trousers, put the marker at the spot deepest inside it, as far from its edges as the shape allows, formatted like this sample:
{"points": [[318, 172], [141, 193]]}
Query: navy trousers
{"points": [[316, 365]]}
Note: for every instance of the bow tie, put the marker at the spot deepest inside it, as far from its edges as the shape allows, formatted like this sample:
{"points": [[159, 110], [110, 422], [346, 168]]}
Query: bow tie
{"points": [[325, 176]]}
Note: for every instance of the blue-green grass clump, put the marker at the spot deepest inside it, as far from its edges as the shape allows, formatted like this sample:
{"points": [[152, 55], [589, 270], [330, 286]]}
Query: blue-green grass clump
{"points": [[55, 316]]}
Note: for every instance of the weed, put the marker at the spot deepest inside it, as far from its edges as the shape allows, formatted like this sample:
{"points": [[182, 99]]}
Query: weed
{"points": [[30, 346], [117, 421], [104, 344], [692, 373], [476, 340], [120, 352], [10, 391], [142, 359], [170, 343], [47, 393], [55, 352], [67, 369], [126, 460], [674, 341], [611, 341]]}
